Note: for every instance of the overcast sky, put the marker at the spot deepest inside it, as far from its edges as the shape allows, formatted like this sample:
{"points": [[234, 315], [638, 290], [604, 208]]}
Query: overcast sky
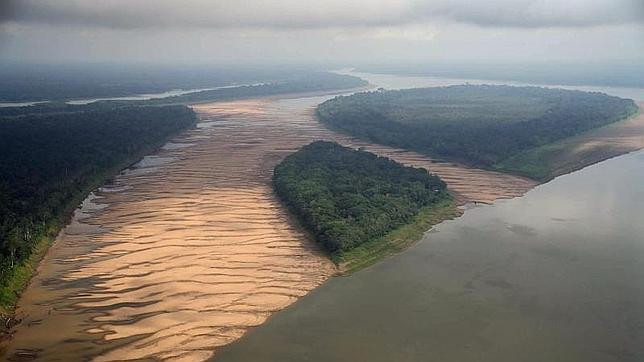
{"points": [[321, 30]]}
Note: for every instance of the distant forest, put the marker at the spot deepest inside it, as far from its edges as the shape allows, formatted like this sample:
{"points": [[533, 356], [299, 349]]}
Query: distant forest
{"points": [[50, 161], [479, 125], [39, 82], [317, 81], [625, 73], [346, 197], [53, 154], [311, 82]]}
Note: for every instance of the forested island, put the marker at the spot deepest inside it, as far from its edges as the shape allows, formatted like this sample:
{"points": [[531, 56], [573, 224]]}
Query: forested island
{"points": [[50, 161], [478, 125], [353, 202], [53, 154]]}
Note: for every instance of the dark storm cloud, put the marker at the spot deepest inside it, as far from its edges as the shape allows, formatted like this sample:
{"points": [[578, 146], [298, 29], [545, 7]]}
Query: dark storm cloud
{"points": [[137, 14]]}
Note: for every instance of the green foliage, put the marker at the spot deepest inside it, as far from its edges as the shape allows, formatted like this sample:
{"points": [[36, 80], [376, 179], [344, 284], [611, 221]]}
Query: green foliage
{"points": [[20, 82], [399, 239], [50, 161], [346, 197], [318, 81], [310, 82], [479, 125]]}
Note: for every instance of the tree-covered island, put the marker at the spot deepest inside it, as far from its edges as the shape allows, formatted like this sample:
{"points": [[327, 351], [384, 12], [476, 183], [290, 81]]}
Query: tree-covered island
{"points": [[357, 205], [484, 126]]}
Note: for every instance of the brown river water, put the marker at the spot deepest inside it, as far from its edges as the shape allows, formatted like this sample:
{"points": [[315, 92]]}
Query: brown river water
{"points": [[188, 249]]}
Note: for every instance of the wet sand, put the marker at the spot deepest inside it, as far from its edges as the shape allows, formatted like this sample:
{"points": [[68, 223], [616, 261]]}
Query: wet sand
{"points": [[188, 249], [184, 253]]}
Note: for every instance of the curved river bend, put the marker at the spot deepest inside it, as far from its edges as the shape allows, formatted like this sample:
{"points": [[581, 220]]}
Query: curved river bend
{"points": [[556, 275], [188, 249]]}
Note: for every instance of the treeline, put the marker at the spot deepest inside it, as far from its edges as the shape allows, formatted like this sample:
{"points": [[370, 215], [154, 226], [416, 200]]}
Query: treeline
{"points": [[477, 125], [318, 81], [624, 73], [50, 161], [62, 83], [346, 197]]}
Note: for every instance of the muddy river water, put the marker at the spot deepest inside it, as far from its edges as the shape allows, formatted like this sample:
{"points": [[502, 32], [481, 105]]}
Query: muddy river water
{"points": [[555, 275], [188, 250]]}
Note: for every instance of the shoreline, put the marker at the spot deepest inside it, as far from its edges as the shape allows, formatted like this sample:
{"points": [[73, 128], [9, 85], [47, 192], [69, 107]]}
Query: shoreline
{"points": [[410, 158], [586, 149], [424, 223], [33, 264]]}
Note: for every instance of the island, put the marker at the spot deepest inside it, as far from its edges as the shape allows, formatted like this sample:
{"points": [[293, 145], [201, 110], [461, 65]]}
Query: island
{"points": [[358, 206], [503, 128], [53, 154]]}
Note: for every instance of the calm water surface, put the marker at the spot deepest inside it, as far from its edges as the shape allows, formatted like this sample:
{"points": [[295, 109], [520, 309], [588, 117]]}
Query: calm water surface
{"points": [[556, 275], [398, 82]]}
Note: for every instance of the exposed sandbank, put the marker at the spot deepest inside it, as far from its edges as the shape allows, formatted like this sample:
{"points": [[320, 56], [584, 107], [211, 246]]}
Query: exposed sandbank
{"points": [[186, 253]]}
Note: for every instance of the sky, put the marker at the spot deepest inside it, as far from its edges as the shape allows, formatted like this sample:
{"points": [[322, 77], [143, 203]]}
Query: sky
{"points": [[301, 31]]}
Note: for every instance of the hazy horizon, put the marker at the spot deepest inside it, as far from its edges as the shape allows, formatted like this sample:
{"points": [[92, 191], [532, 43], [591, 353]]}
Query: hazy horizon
{"points": [[322, 32]]}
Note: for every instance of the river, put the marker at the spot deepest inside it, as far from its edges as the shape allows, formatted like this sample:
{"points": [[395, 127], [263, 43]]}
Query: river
{"points": [[187, 250], [135, 97], [556, 275]]}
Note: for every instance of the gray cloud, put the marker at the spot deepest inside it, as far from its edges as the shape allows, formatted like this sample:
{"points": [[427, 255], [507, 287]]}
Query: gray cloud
{"points": [[539, 13], [320, 14]]}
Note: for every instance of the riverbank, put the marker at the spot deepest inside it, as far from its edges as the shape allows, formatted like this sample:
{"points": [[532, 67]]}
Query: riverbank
{"points": [[189, 254], [399, 239], [23, 274], [574, 153], [555, 273]]}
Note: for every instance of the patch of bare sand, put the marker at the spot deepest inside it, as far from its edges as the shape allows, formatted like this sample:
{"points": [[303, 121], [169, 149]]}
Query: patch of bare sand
{"points": [[187, 254], [599, 144], [189, 251]]}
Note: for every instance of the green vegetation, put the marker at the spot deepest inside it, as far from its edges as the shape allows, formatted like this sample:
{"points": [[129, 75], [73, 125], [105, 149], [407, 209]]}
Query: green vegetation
{"points": [[53, 154], [62, 83], [568, 154], [311, 82], [50, 161], [352, 200], [477, 125], [399, 239]]}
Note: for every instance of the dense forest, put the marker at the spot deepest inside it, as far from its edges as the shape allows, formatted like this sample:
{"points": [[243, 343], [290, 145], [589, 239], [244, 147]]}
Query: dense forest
{"points": [[310, 82], [346, 197], [480, 125], [46, 82], [317, 81], [50, 161]]}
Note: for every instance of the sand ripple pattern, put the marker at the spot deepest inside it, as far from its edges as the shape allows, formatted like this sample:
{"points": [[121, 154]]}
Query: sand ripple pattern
{"points": [[188, 249]]}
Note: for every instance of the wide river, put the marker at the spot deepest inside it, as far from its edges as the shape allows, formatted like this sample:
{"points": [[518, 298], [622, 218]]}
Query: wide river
{"points": [[555, 275], [188, 250]]}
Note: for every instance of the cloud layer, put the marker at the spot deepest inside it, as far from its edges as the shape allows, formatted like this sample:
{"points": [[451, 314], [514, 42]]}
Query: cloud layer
{"points": [[320, 14]]}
